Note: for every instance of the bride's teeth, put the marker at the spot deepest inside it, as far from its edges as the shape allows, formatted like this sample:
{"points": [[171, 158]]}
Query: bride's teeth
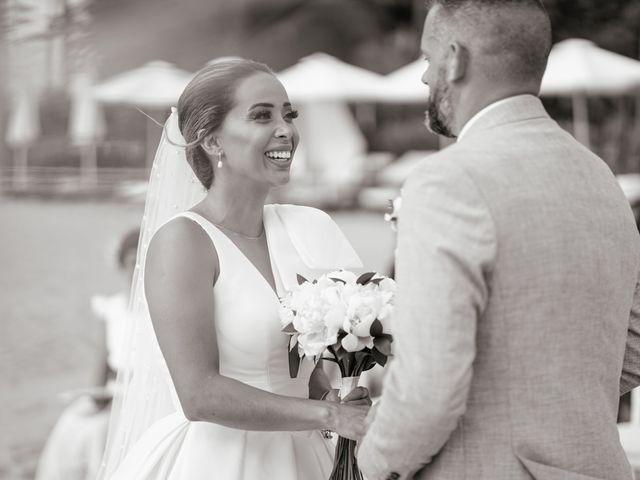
{"points": [[279, 155]]}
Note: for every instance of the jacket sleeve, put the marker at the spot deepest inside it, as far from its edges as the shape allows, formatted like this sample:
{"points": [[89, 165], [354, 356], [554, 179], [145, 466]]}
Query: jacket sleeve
{"points": [[446, 250], [631, 367]]}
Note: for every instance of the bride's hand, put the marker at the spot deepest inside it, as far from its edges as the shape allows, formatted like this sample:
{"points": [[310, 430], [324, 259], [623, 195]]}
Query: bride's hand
{"points": [[349, 420]]}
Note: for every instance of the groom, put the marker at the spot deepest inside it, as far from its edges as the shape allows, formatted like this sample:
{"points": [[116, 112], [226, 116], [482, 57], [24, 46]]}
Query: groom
{"points": [[516, 323]]}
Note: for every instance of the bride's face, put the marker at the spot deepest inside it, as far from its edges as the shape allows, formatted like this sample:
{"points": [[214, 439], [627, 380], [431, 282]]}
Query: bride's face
{"points": [[258, 136]]}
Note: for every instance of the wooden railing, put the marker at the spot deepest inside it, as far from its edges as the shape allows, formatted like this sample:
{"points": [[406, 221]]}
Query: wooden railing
{"points": [[61, 181]]}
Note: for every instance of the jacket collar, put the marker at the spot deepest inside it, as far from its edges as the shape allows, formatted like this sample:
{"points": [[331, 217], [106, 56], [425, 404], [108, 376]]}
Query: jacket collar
{"points": [[508, 110]]}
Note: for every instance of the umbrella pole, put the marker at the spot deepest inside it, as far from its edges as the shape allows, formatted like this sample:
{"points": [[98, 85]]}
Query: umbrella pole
{"points": [[365, 114], [621, 163], [581, 119], [635, 142], [89, 164], [20, 177]]}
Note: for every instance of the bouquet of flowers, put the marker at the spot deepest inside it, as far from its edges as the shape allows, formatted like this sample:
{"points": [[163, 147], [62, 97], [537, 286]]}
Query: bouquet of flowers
{"points": [[346, 317]]}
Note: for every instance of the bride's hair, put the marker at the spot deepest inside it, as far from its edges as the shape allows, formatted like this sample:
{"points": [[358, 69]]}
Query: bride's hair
{"points": [[205, 103]]}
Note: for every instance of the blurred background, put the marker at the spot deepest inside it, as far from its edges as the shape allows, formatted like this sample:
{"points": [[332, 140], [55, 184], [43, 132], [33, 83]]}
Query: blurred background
{"points": [[75, 149]]}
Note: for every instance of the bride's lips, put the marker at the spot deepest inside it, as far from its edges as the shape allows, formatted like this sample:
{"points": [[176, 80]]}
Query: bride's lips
{"points": [[281, 157]]}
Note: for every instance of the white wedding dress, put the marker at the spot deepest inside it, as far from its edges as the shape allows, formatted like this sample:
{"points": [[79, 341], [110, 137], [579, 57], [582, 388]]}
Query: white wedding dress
{"points": [[253, 350]]}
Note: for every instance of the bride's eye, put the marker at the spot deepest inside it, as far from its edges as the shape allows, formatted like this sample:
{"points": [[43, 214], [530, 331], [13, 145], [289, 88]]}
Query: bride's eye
{"points": [[291, 115], [260, 115]]}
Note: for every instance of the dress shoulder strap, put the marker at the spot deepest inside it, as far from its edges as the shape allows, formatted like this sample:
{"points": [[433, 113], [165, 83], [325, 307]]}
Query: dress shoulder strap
{"points": [[206, 225], [220, 241]]}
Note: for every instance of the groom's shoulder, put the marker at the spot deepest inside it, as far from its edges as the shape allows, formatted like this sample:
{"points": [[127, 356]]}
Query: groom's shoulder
{"points": [[451, 159], [466, 158], [446, 169]]}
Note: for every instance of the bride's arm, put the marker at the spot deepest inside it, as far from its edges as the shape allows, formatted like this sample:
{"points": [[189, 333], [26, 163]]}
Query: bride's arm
{"points": [[181, 268]]}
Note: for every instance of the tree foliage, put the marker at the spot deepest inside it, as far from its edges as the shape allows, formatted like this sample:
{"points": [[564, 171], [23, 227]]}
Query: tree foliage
{"points": [[612, 24]]}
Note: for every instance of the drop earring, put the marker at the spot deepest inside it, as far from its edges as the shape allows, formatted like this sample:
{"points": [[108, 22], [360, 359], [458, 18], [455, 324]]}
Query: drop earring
{"points": [[219, 165]]}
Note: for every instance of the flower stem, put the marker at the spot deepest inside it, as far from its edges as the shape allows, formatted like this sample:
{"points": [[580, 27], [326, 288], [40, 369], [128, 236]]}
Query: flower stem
{"points": [[345, 464]]}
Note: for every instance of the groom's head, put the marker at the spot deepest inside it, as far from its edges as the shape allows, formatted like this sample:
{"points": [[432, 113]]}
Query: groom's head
{"points": [[480, 51]]}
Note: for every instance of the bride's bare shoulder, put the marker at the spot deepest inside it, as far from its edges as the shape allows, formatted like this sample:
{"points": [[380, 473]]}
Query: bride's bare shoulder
{"points": [[183, 241]]}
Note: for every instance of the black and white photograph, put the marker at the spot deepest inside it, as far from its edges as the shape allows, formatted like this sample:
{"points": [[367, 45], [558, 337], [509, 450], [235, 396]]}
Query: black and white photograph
{"points": [[319, 240]]}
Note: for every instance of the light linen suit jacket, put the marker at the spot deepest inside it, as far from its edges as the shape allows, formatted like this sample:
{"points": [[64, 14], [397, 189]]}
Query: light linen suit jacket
{"points": [[517, 323]]}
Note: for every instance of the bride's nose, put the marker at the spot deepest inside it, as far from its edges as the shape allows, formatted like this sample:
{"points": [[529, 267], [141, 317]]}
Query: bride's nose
{"points": [[284, 130]]}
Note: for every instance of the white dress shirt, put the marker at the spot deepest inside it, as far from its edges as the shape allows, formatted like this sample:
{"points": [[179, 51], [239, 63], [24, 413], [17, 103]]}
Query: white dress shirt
{"points": [[477, 116]]}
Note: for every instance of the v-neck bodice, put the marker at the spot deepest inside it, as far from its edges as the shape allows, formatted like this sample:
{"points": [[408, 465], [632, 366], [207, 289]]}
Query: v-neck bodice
{"points": [[252, 349], [203, 222], [251, 345]]}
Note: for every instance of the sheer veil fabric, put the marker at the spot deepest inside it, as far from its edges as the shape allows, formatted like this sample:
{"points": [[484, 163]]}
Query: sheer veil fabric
{"points": [[144, 392]]}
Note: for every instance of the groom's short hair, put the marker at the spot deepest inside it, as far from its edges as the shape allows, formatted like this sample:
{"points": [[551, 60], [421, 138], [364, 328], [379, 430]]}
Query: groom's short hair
{"points": [[514, 35]]}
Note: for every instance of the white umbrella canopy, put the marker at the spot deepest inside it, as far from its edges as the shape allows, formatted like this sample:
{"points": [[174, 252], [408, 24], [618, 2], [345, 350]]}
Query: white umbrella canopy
{"points": [[404, 85], [321, 77], [579, 66], [23, 127], [156, 84]]}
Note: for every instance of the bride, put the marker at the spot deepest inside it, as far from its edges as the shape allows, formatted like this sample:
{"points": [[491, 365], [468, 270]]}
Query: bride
{"points": [[206, 390]]}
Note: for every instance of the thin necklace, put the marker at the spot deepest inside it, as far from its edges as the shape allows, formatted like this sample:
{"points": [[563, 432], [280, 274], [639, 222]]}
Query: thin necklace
{"points": [[242, 235]]}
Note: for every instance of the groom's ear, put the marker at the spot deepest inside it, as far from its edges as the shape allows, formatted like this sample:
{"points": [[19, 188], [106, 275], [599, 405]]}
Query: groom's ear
{"points": [[457, 63]]}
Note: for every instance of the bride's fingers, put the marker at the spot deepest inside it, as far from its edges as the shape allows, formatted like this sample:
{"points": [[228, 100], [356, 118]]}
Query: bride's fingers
{"points": [[359, 395], [360, 401], [333, 396]]}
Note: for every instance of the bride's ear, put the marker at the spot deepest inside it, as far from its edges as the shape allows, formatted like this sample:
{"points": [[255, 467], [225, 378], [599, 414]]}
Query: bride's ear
{"points": [[211, 145]]}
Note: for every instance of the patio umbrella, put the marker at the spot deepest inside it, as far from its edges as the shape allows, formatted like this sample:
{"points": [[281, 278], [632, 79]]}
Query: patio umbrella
{"points": [[154, 86], [23, 129], [86, 125], [404, 85], [579, 68], [332, 146], [321, 77]]}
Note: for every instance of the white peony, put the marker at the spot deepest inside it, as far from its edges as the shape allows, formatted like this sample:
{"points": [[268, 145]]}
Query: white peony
{"points": [[316, 313], [353, 343], [363, 308]]}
